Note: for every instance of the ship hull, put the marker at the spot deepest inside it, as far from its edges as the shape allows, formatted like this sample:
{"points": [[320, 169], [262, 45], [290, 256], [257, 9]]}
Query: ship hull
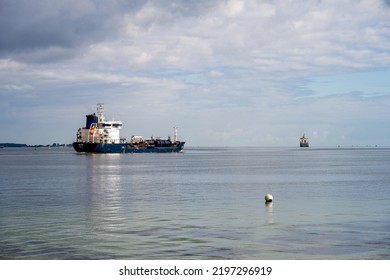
{"points": [[304, 145], [83, 147]]}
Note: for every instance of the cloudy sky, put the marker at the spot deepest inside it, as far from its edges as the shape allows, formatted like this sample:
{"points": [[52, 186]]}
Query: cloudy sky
{"points": [[226, 72]]}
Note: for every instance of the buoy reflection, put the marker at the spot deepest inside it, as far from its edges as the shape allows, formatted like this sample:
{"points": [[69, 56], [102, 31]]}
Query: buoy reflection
{"points": [[270, 214]]}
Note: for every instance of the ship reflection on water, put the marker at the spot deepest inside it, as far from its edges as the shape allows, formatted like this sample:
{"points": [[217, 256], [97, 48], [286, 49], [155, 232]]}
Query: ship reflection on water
{"points": [[104, 194]]}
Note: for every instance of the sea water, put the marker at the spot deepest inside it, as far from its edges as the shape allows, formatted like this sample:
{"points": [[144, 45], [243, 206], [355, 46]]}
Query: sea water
{"points": [[204, 203]]}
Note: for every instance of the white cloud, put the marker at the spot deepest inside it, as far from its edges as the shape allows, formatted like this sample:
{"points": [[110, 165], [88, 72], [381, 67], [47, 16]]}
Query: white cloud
{"points": [[233, 8], [19, 87], [10, 65]]}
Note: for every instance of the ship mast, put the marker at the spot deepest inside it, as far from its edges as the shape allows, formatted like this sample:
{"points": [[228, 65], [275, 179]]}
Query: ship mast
{"points": [[175, 138], [100, 111]]}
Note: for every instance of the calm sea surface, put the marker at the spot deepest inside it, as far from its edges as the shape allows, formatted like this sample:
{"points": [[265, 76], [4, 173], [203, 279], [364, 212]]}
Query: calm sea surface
{"points": [[204, 203]]}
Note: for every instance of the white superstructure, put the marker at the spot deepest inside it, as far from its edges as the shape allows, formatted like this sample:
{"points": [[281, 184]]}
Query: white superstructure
{"points": [[98, 130]]}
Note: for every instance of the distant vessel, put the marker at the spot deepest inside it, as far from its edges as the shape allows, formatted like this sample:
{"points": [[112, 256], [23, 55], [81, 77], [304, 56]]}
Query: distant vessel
{"points": [[102, 136], [304, 141]]}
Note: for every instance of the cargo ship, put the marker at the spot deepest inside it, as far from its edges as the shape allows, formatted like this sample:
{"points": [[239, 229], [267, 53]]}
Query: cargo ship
{"points": [[304, 141], [102, 136]]}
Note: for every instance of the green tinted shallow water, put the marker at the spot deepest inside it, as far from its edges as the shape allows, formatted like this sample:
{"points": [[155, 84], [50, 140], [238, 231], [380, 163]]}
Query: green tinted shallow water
{"points": [[205, 203]]}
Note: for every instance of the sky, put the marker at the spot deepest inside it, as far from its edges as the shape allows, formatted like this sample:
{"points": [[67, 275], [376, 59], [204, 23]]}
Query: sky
{"points": [[225, 72]]}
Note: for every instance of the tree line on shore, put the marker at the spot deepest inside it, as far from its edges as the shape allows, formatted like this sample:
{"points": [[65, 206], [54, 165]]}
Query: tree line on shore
{"points": [[17, 145]]}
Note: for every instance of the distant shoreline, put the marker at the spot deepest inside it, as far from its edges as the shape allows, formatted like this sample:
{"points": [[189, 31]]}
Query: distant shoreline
{"points": [[17, 145]]}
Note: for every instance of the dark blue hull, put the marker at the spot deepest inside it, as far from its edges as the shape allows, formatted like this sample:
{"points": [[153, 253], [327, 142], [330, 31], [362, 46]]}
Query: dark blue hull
{"points": [[125, 148]]}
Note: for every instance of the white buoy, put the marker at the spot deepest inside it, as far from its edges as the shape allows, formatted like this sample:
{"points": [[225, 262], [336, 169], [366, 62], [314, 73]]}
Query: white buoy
{"points": [[268, 197]]}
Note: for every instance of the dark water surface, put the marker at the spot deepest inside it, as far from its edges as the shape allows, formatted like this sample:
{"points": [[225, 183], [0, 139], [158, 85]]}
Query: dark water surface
{"points": [[205, 203]]}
